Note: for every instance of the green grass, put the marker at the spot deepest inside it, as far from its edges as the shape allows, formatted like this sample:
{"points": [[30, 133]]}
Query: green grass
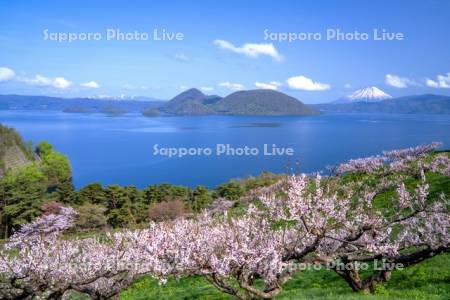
{"points": [[427, 280]]}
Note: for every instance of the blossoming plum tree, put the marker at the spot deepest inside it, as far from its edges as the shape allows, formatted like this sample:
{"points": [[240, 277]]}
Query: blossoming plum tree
{"points": [[300, 220]]}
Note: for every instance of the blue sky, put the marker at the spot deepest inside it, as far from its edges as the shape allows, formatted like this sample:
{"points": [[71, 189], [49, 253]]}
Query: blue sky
{"points": [[224, 48]]}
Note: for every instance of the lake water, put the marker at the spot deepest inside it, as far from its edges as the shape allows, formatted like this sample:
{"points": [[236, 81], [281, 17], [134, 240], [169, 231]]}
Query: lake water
{"points": [[119, 150]]}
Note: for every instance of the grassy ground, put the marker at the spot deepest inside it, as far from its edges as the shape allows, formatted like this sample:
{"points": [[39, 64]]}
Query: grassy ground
{"points": [[428, 280]]}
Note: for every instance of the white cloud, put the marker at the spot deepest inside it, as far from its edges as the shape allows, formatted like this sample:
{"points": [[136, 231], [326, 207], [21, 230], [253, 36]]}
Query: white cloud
{"points": [[182, 87], [442, 81], [304, 83], [232, 86], [61, 83], [6, 74], [57, 82], [181, 57], [251, 50], [90, 84], [38, 80], [273, 85], [398, 82], [207, 88], [348, 86]]}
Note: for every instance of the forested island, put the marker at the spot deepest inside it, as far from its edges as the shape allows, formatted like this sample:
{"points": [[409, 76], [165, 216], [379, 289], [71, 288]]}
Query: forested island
{"points": [[253, 102]]}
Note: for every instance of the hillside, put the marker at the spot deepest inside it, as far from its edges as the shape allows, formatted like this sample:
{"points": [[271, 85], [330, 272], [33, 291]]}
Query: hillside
{"points": [[14, 153], [191, 95], [191, 102], [254, 102], [262, 102], [427, 279], [424, 281], [419, 104]]}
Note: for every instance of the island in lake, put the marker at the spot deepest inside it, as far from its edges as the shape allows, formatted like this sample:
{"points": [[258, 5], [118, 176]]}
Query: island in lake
{"points": [[253, 102]]}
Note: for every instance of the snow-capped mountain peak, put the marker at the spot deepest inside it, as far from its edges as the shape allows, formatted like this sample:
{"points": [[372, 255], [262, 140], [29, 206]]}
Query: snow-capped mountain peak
{"points": [[371, 93]]}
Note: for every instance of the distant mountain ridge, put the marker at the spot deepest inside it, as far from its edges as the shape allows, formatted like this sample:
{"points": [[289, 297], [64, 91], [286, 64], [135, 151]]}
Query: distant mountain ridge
{"points": [[252, 102], [73, 105], [125, 98], [416, 104]]}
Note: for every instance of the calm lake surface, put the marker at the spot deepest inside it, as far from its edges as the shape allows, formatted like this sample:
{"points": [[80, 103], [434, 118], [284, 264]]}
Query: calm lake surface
{"points": [[119, 150]]}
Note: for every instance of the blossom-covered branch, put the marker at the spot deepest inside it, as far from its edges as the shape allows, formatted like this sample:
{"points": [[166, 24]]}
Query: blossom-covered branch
{"points": [[250, 255], [393, 160]]}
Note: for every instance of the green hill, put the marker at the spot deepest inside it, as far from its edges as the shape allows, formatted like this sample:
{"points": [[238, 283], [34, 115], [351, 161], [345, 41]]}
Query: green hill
{"points": [[262, 102], [191, 102], [253, 102]]}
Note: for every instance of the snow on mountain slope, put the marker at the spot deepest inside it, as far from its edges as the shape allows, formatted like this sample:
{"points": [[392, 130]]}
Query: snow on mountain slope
{"points": [[366, 94], [369, 93]]}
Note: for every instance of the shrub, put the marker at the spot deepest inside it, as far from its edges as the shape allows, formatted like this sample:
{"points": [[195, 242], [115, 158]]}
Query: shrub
{"points": [[51, 208], [231, 190], [92, 193], [91, 216], [167, 210], [201, 197]]}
